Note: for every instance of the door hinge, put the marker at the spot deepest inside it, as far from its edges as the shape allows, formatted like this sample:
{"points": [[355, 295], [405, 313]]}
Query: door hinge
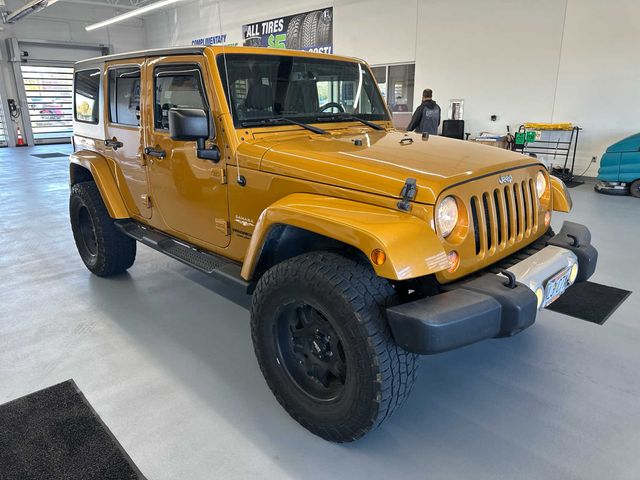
{"points": [[146, 200], [219, 174], [222, 225]]}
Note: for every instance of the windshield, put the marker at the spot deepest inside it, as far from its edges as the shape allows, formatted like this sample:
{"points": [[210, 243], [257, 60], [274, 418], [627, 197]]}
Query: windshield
{"points": [[264, 87]]}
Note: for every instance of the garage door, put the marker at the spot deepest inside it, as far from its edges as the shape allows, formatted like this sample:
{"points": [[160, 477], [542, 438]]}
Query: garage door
{"points": [[3, 127], [49, 91]]}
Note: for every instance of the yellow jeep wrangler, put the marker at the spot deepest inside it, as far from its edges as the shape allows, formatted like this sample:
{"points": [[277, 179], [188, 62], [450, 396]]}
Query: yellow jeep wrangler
{"points": [[362, 246]]}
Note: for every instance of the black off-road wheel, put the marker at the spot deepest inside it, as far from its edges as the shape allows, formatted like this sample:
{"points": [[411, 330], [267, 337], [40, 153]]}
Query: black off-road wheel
{"points": [[634, 188], [324, 346], [103, 248]]}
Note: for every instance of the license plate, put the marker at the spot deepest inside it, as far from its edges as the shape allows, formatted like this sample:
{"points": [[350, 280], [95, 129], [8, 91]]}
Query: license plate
{"points": [[556, 286]]}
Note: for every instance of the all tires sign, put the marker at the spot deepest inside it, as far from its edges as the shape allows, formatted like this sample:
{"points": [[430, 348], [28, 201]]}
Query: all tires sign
{"points": [[310, 31]]}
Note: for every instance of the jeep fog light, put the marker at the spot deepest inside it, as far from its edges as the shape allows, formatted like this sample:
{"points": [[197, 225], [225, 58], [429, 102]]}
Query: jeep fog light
{"points": [[574, 273], [447, 216], [540, 296], [541, 184]]}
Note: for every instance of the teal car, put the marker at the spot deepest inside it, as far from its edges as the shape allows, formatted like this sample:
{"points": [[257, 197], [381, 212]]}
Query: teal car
{"points": [[619, 171]]}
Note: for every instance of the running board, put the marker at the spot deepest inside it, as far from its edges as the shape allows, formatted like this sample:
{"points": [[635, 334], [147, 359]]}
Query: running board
{"points": [[209, 263]]}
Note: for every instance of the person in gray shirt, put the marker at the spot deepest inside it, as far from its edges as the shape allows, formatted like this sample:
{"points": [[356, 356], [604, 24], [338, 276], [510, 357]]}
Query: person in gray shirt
{"points": [[426, 118]]}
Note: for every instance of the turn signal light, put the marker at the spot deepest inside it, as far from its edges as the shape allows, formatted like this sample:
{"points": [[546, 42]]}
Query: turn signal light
{"points": [[454, 261], [547, 218], [378, 257]]}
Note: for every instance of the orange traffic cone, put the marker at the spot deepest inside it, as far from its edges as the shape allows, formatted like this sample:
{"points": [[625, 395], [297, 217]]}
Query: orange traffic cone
{"points": [[20, 140]]}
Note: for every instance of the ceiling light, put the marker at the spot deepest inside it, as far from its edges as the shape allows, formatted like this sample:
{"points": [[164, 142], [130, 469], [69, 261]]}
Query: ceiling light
{"points": [[131, 14], [29, 8]]}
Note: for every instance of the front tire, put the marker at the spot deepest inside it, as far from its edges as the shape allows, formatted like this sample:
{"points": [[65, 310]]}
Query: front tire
{"points": [[324, 347], [634, 189], [103, 248]]}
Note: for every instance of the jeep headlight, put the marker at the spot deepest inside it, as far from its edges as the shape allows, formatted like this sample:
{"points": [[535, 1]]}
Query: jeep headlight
{"points": [[541, 184], [447, 216]]}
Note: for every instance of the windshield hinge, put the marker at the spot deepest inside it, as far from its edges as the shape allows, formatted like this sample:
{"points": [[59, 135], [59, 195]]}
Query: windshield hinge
{"points": [[407, 193], [219, 174]]}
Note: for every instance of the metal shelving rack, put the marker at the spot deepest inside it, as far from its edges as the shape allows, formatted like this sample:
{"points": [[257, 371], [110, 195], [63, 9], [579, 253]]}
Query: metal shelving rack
{"points": [[553, 149]]}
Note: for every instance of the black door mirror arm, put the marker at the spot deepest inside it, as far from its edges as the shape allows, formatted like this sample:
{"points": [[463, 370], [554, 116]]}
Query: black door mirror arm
{"points": [[212, 153]]}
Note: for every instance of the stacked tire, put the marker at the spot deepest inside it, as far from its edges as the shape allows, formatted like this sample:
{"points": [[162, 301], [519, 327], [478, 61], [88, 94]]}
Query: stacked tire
{"points": [[309, 30]]}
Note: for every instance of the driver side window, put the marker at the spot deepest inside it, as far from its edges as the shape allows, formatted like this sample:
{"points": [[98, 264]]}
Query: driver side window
{"points": [[176, 86]]}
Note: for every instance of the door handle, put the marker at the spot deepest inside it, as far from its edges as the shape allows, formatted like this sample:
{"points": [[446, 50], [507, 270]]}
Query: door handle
{"points": [[113, 143], [155, 153]]}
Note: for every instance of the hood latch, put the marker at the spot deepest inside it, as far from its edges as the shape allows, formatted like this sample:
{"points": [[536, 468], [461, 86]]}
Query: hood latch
{"points": [[407, 193]]}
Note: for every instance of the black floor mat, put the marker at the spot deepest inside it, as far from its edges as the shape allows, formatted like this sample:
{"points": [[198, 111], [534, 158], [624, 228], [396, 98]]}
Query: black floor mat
{"points": [[54, 433], [573, 183], [590, 301], [49, 155]]}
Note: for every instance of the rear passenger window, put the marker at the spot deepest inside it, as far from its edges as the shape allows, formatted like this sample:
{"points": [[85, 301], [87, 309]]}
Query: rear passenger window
{"points": [[176, 86], [124, 96], [86, 90]]}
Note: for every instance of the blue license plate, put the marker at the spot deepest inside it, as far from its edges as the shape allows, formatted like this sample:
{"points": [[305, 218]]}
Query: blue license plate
{"points": [[556, 286]]}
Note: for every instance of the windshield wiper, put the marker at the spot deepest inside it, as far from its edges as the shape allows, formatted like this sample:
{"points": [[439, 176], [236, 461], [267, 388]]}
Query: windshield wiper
{"points": [[279, 121], [347, 117]]}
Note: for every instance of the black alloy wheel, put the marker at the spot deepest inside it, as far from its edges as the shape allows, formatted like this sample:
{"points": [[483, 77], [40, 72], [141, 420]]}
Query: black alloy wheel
{"points": [[88, 245], [311, 351]]}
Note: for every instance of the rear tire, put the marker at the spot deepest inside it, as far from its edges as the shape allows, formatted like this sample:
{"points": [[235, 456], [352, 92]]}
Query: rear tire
{"points": [[104, 249], [324, 346], [634, 189]]}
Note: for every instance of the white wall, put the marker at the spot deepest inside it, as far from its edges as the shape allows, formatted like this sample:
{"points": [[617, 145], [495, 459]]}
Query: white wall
{"points": [[543, 61]]}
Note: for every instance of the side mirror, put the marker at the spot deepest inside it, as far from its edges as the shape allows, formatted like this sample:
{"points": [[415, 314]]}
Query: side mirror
{"points": [[192, 124]]}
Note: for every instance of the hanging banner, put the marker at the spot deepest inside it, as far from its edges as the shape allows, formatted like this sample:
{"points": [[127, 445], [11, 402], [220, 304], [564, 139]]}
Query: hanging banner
{"points": [[310, 31]]}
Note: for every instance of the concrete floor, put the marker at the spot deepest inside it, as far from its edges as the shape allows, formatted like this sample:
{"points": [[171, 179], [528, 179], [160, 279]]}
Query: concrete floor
{"points": [[164, 355]]}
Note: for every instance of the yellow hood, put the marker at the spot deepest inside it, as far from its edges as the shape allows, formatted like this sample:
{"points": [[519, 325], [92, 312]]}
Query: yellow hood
{"points": [[376, 161]]}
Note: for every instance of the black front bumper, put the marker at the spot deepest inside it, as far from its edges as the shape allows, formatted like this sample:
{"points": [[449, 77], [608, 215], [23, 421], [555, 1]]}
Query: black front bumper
{"points": [[482, 308]]}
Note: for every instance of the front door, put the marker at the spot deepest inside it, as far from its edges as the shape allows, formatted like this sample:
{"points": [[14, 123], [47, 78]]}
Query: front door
{"points": [[189, 193], [124, 135]]}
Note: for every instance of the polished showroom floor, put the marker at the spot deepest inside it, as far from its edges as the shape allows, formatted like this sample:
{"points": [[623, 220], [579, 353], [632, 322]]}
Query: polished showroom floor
{"points": [[163, 354]]}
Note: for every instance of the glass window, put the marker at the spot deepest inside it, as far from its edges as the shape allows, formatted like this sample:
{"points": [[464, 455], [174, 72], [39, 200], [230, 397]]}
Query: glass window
{"points": [[124, 96], [400, 87], [306, 89], [86, 89], [380, 74], [176, 86]]}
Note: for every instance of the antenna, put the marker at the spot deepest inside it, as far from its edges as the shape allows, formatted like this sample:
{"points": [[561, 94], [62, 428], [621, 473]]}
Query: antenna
{"points": [[239, 178]]}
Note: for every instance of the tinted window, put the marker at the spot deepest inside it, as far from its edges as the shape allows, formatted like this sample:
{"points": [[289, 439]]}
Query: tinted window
{"points": [[86, 89], [124, 96], [176, 86]]}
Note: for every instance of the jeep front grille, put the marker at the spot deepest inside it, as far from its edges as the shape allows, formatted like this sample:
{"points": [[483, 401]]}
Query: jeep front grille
{"points": [[498, 219], [503, 216]]}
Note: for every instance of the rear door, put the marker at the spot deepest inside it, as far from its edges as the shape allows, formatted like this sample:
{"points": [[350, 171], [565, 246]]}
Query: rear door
{"points": [[124, 135], [189, 193]]}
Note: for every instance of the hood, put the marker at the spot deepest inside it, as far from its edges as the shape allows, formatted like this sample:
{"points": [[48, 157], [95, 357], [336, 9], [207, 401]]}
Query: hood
{"points": [[378, 163], [629, 144], [430, 104]]}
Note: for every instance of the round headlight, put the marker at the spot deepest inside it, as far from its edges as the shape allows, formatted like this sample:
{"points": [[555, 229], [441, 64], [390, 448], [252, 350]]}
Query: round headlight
{"points": [[447, 216], [541, 184]]}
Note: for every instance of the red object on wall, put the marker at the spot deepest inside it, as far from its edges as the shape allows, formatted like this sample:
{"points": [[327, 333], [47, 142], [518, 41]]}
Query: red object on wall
{"points": [[19, 140]]}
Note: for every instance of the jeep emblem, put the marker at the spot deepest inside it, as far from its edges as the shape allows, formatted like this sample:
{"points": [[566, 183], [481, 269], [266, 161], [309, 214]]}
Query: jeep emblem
{"points": [[505, 179]]}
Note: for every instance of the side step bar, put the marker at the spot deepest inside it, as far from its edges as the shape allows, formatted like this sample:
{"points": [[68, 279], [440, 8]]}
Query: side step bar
{"points": [[209, 263]]}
